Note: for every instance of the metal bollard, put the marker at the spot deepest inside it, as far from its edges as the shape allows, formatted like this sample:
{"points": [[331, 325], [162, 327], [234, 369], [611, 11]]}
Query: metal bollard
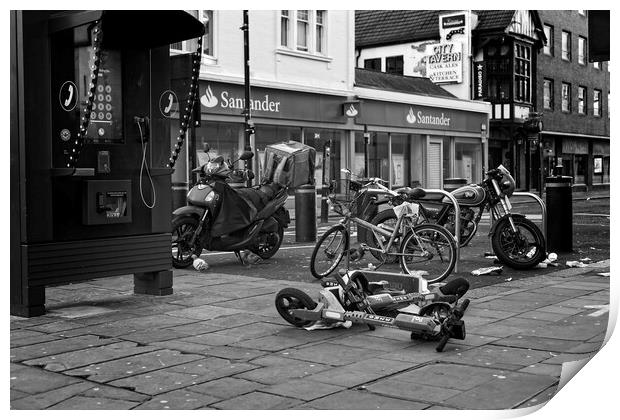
{"points": [[305, 213], [560, 206]]}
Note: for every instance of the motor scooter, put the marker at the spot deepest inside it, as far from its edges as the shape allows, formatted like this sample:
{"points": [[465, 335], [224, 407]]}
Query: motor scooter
{"points": [[219, 217]]}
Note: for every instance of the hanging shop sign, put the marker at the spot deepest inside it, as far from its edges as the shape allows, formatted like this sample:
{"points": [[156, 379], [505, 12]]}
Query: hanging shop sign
{"points": [[351, 109], [444, 62], [229, 99], [480, 80]]}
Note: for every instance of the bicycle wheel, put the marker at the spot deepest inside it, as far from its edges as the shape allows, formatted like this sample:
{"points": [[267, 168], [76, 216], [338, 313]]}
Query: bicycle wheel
{"points": [[429, 248], [329, 251]]}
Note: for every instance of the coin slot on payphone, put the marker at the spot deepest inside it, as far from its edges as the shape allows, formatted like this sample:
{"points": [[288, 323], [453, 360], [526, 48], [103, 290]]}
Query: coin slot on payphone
{"points": [[106, 202]]}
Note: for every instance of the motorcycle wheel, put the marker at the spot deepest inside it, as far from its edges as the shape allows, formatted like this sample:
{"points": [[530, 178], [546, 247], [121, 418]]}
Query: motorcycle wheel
{"points": [[288, 299], [183, 228], [429, 248], [330, 248], [264, 249], [515, 250], [386, 219]]}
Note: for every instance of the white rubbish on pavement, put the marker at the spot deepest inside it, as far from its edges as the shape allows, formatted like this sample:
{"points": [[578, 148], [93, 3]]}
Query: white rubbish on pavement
{"points": [[577, 264], [509, 279], [200, 264], [604, 274], [487, 270], [542, 265]]}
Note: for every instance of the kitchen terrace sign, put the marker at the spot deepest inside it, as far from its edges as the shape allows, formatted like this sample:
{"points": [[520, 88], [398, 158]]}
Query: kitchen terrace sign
{"points": [[444, 62]]}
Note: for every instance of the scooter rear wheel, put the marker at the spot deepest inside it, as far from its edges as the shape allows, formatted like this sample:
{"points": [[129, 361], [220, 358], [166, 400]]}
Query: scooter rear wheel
{"points": [[289, 299], [183, 227], [266, 249]]}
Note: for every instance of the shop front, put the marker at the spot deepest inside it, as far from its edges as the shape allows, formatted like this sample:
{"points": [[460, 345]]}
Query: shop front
{"points": [[416, 145], [585, 159], [278, 115]]}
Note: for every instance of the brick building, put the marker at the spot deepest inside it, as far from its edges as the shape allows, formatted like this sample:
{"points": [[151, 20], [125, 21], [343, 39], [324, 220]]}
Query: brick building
{"points": [[573, 97]]}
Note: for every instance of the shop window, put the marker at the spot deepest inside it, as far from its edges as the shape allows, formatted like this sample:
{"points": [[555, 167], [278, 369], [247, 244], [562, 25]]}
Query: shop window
{"points": [[378, 164], [596, 103], [319, 138], [401, 160], [581, 169], [566, 46], [548, 94], [566, 96], [606, 166], [581, 50], [447, 158], [467, 160], [522, 73], [373, 64], [548, 48], [225, 139], [581, 100], [394, 65]]}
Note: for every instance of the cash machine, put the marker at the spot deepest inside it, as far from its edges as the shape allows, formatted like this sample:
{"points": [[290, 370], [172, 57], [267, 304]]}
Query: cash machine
{"points": [[90, 145]]}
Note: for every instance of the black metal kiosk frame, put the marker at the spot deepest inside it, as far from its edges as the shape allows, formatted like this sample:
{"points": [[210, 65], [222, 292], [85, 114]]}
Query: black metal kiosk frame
{"points": [[86, 121]]}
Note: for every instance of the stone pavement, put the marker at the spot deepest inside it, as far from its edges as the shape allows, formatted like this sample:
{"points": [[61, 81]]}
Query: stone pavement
{"points": [[218, 343]]}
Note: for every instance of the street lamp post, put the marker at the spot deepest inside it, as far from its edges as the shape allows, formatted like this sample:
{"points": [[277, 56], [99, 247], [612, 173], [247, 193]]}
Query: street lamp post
{"points": [[249, 125]]}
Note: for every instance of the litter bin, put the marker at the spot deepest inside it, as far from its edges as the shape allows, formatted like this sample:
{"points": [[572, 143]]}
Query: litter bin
{"points": [[451, 184], [559, 203], [305, 213]]}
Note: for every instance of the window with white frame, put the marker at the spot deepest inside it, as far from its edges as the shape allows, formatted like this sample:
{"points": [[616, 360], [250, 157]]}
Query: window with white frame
{"points": [[285, 24], [206, 17], [566, 47], [548, 94], [581, 100], [596, 65], [548, 48], [566, 97], [581, 50], [304, 31], [596, 103]]}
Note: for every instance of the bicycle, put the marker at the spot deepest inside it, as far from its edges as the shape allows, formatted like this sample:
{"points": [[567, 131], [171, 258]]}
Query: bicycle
{"points": [[423, 247]]}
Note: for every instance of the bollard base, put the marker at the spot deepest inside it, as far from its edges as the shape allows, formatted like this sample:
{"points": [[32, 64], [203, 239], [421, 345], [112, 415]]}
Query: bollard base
{"points": [[157, 283]]}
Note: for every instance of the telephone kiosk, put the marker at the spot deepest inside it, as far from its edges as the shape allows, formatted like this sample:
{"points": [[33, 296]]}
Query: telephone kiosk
{"points": [[91, 107]]}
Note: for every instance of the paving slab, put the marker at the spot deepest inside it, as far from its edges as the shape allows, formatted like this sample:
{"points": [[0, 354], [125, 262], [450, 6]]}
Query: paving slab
{"points": [[203, 312], [302, 389], [507, 390], [362, 400], [537, 343], [74, 359], [499, 357], [281, 372], [49, 398], [93, 403], [226, 388], [396, 388], [49, 348], [358, 373], [133, 365], [258, 401], [177, 400], [332, 354], [28, 337], [33, 380], [273, 343], [450, 376]]}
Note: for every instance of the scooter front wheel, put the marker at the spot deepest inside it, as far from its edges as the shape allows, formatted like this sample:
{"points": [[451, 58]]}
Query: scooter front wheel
{"points": [[289, 299], [522, 249], [183, 228], [329, 251]]}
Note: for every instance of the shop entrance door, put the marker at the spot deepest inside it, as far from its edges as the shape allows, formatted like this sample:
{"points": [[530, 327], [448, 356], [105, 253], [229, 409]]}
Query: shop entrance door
{"points": [[434, 162]]}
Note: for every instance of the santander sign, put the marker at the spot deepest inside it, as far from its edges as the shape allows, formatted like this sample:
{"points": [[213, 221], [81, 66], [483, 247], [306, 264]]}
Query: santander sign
{"points": [[226, 100], [427, 119]]}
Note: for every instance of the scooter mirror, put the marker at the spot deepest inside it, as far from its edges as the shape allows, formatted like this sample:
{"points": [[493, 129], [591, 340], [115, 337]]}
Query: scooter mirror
{"points": [[346, 171], [246, 155]]}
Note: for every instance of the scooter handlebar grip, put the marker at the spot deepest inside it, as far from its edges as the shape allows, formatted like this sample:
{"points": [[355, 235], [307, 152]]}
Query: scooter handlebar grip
{"points": [[442, 343], [458, 287]]}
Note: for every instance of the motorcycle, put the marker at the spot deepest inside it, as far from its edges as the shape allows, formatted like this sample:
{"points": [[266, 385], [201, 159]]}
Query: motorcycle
{"points": [[219, 217], [381, 299], [516, 241]]}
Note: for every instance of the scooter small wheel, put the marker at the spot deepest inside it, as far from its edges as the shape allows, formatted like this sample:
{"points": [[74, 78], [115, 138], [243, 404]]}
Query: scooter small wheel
{"points": [[289, 299]]}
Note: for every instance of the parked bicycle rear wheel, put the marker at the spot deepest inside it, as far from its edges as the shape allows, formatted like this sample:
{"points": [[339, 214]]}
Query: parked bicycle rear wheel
{"points": [[329, 251], [429, 248]]}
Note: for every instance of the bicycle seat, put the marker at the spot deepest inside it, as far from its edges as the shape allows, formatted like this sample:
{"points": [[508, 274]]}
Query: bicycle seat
{"points": [[412, 193]]}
